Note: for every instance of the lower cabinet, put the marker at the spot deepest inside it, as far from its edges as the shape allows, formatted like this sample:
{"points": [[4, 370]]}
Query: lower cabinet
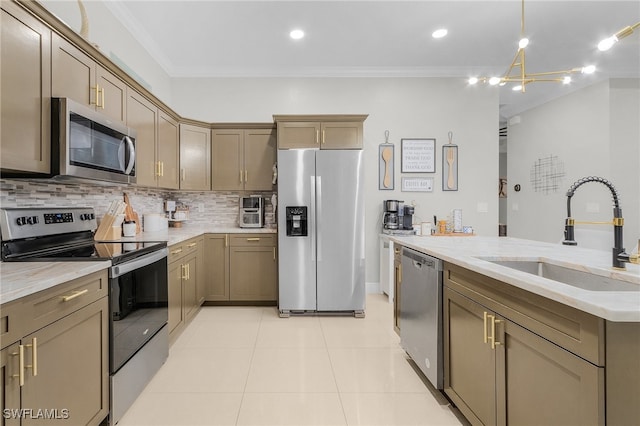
{"points": [[58, 374], [497, 372], [186, 270], [241, 268]]}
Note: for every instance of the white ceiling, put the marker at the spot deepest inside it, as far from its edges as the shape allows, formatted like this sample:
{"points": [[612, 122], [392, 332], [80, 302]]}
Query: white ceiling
{"points": [[386, 38]]}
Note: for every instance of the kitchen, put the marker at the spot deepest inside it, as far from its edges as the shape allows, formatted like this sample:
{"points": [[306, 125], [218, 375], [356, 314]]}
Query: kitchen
{"points": [[397, 104]]}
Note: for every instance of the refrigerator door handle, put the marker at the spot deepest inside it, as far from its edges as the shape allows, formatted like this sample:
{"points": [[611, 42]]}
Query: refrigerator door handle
{"points": [[319, 215], [312, 218]]}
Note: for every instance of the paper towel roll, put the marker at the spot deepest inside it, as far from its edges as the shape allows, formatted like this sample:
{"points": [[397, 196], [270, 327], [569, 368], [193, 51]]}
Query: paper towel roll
{"points": [[154, 222]]}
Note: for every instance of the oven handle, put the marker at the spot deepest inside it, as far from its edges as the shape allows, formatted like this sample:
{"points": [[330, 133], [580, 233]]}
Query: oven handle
{"points": [[124, 268]]}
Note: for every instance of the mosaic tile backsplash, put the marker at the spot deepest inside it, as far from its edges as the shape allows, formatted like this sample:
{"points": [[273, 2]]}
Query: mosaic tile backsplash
{"points": [[213, 207]]}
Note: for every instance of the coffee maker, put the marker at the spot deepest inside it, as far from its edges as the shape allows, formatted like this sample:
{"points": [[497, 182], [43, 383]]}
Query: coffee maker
{"points": [[390, 215], [407, 217]]}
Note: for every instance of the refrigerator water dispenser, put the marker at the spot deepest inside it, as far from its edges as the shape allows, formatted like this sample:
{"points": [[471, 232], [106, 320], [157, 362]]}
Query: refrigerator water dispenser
{"points": [[297, 221]]}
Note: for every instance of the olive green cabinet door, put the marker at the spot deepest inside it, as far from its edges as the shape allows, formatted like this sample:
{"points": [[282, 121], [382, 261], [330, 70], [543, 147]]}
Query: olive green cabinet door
{"points": [[227, 160], [190, 286], [168, 151], [195, 157], [469, 362], [112, 95], [72, 359], [10, 390], [252, 273], [176, 312], [142, 116], [25, 84], [540, 383], [73, 73], [342, 135], [216, 266], [298, 134], [259, 158]]}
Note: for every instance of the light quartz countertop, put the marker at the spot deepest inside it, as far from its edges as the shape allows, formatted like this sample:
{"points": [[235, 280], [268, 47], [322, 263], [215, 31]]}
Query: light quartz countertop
{"points": [[474, 252], [19, 279]]}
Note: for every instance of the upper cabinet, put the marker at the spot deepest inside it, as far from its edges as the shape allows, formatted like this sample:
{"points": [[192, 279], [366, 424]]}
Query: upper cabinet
{"points": [[77, 76], [157, 146], [243, 159], [320, 131], [25, 84], [195, 157]]}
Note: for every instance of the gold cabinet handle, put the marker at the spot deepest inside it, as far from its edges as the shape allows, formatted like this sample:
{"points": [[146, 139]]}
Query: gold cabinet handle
{"points": [[97, 102], [162, 168], [484, 316], [176, 251], [74, 295], [192, 245], [102, 97], [183, 270], [246, 176], [317, 136], [226, 240], [20, 374], [240, 175], [323, 137], [494, 341], [397, 250], [253, 239], [34, 356]]}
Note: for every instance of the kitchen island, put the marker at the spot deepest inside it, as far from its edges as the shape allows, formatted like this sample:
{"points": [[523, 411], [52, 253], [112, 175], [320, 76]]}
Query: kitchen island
{"points": [[521, 348]]}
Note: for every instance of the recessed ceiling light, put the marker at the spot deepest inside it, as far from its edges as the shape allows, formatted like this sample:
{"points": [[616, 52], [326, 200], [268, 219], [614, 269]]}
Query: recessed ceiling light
{"points": [[296, 34], [439, 33]]}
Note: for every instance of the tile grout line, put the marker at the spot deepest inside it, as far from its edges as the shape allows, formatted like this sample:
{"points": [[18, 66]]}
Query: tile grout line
{"points": [[246, 381]]}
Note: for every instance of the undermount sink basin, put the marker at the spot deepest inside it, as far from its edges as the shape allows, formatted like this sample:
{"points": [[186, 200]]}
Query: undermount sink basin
{"points": [[572, 277]]}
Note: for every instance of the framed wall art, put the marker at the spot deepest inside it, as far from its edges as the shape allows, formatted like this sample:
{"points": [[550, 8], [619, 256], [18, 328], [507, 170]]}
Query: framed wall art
{"points": [[417, 184], [418, 155], [449, 167]]}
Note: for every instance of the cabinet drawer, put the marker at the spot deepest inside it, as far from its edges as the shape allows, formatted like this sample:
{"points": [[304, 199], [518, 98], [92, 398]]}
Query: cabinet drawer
{"points": [[574, 330], [33, 312], [179, 250], [252, 240]]}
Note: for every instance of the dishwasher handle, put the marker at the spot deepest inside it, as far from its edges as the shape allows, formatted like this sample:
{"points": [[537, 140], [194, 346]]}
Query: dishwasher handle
{"points": [[421, 260]]}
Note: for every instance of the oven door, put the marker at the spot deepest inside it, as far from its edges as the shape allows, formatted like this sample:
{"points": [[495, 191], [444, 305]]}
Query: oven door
{"points": [[138, 295]]}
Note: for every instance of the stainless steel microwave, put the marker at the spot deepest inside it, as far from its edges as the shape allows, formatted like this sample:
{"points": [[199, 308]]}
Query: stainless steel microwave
{"points": [[87, 144]]}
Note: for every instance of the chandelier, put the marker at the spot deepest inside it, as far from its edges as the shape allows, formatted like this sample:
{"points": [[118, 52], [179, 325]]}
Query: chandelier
{"points": [[517, 70]]}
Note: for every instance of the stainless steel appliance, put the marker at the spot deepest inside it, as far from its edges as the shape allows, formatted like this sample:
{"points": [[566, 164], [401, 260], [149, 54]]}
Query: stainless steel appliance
{"points": [[251, 212], [407, 217], [321, 231], [87, 144], [390, 215], [138, 287], [421, 313]]}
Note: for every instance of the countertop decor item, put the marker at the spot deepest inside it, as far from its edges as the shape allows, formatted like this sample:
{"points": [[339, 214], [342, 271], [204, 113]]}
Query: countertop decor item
{"points": [[418, 155], [386, 159], [450, 165]]}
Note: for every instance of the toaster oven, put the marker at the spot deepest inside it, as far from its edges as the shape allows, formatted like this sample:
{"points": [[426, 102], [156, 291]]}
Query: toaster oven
{"points": [[251, 212]]}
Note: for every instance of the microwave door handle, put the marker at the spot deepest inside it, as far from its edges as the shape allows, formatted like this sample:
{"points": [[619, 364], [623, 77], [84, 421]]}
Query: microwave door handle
{"points": [[132, 154]]}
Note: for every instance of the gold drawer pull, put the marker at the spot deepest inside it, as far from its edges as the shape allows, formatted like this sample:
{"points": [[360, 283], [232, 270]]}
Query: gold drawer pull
{"points": [[246, 177], [226, 240], [484, 315], [74, 295], [323, 137], [253, 239], [192, 245], [34, 356], [494, 342], [176, 251], [20, 374], [317, 136]]}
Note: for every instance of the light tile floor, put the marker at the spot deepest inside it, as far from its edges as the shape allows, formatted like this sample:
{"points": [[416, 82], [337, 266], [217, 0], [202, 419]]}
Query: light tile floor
{"points": [[247, 366]]}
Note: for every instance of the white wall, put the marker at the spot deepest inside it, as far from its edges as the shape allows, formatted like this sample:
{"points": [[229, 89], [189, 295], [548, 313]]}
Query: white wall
{"points": [[593, 132], [112, 39], [407, 107]]}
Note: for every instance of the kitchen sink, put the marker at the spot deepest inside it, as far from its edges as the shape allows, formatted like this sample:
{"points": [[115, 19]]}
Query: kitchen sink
{"points": [[572, 277]]}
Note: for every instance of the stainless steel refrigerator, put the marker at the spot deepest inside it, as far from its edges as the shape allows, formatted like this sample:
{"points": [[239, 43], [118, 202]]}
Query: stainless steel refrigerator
{"points": [[321, 231]]}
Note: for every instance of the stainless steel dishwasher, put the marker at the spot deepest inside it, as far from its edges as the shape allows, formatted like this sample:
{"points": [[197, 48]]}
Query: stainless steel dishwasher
{"points": [[421, 313]]}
